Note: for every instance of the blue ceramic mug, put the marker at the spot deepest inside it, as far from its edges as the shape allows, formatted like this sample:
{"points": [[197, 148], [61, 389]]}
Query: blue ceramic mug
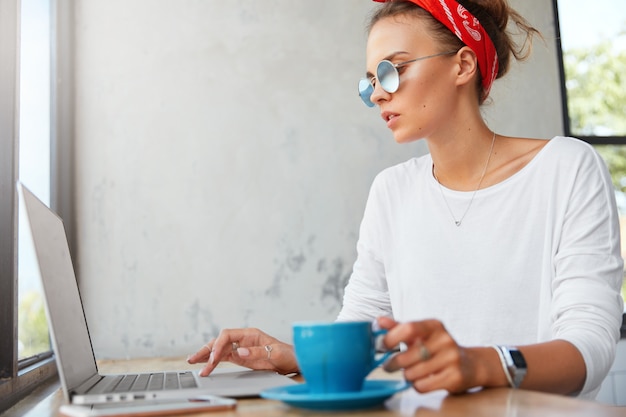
{"points": [[336, 357]]}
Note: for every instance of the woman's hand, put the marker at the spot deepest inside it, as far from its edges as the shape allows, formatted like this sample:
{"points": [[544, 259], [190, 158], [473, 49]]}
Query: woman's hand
{"points": [[433, 360], [248, 347]]}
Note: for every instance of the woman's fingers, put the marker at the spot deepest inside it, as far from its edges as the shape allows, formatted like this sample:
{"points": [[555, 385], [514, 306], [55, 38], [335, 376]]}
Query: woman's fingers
{"points": [[433, 360], [275, 356], [386, 322], [230, 340], [414, 354], [219, 349], [246, 347], [255, 357], [419, 338], [202, 355]]}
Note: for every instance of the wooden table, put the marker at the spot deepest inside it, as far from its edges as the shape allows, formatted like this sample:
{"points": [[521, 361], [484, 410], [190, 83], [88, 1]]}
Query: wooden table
{"points": [[491, 402]]}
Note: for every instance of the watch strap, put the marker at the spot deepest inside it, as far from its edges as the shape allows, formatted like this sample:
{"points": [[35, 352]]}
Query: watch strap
{"points": [[505, 365], [513, 364]]}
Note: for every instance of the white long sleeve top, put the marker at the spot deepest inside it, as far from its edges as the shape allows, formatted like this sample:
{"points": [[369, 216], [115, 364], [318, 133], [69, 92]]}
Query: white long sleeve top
{"points": [[536, 258]]}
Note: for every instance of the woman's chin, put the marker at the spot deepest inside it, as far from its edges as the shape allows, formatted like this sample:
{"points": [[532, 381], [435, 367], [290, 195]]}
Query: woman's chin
{"points": [[401, 139]]}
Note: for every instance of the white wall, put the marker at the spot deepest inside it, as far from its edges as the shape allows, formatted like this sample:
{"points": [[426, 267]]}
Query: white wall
{"points": [[224, 158]]}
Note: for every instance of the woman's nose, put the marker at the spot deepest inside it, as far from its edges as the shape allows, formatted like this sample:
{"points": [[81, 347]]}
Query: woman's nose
{"points": [[379, 94]]}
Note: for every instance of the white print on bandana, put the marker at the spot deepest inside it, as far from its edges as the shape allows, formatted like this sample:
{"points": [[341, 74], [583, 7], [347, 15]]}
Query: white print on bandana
{"points": [[457, 32], [462, 11]]}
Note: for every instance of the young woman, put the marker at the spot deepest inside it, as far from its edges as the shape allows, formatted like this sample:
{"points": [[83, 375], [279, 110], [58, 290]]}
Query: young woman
{"points": [[497, 257]]}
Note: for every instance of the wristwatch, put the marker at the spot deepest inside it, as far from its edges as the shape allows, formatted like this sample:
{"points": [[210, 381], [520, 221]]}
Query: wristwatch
{"points": [[515, 364]]}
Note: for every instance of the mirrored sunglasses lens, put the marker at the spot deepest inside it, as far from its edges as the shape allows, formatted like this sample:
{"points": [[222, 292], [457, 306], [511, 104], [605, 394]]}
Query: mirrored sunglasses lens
{"points": [[387, 76], [365, 91]]}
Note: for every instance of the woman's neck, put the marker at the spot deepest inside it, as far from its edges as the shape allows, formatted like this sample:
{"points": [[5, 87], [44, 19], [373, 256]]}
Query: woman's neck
{"points": [[461, 160]]}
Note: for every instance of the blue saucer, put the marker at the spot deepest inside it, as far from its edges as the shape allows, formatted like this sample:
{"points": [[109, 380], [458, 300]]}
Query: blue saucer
{"points": [[374, 393]]}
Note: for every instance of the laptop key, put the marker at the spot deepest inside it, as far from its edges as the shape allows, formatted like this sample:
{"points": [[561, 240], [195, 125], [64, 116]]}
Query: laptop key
{"points": [[171, 380], [106, 384], [187, 380], [125, 383], [141, 383], [156, 382]]}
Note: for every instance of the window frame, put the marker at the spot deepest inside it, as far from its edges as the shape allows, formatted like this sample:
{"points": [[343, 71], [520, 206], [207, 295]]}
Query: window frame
{"points": [[19, 378], [8, 174], [594, 140]]}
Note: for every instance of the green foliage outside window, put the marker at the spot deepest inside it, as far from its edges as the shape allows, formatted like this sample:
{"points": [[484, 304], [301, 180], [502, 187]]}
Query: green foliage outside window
{"points": [[596, 88], [32, 327]]}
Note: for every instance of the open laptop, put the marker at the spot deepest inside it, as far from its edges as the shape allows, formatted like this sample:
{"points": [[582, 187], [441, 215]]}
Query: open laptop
{"points": [[78, 371]]}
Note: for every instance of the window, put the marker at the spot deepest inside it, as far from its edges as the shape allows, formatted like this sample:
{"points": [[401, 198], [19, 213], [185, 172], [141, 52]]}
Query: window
{"points": [[592, 42], [29, 150], [593, 45], [33, 168]]}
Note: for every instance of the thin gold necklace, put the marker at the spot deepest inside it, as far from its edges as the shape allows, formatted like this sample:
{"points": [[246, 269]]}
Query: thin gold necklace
{"points": [[459, 221]]}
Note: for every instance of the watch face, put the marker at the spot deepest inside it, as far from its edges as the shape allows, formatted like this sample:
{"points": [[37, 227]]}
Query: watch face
{"points": [[518, 358]]}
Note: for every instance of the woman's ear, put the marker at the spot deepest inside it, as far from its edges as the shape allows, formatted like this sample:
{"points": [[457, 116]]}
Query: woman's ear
{"points": [[467, 66]]}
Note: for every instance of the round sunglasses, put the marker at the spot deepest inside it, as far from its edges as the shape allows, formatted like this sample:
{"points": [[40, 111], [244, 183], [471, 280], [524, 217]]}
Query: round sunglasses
{"points": [[388, 77]]}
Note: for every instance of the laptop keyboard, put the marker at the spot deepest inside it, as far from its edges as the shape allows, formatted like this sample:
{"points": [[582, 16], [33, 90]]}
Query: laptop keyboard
{"points": [[152, 382]]}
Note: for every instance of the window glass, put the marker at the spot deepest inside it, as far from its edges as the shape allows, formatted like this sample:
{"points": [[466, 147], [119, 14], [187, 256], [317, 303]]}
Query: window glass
{"points": [[593, 39], [34, 166]]}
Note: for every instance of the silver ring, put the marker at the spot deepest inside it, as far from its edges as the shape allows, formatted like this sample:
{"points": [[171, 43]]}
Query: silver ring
{"points": [[268, 349], [235, 346], [424, 353]]}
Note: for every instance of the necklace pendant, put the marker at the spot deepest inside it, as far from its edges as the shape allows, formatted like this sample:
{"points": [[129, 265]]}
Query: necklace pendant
{"points": [[482, 176]]}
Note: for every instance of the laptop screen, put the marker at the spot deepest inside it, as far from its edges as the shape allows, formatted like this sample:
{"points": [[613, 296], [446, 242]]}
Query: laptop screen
{"points": [[66, 318]]}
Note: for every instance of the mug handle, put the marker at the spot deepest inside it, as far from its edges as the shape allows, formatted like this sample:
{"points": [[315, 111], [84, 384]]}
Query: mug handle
{"points": [[386, 355]]}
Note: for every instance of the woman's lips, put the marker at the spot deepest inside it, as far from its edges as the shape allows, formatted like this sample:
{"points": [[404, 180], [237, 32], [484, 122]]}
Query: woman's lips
{"points": [[389, 118]]}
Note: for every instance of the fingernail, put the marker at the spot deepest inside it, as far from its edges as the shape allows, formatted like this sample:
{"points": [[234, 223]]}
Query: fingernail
{"points": [[243, 351], [388, 367], [189, 358], [211, 358]]}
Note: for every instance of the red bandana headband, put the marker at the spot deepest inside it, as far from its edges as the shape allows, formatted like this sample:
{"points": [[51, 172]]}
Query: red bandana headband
{"points": [[469, 30]]}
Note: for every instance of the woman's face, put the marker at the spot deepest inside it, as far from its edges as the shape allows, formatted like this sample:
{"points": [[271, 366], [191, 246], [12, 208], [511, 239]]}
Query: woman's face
{"points": [[425, 99]]}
